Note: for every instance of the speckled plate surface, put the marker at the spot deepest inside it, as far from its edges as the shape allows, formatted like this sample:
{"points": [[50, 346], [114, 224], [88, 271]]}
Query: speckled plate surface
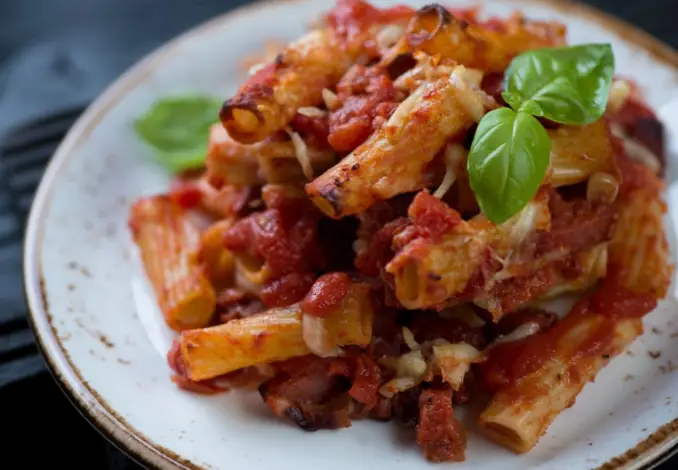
{"points": [[104, 339]]}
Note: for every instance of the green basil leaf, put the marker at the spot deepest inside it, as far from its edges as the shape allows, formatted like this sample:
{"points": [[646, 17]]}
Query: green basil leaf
{"points": [[177, 128], [569, 85], [507, 162]]}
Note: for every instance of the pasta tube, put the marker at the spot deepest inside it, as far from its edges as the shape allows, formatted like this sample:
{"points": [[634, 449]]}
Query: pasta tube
{"points": [[218, 260], [169, 243], [429, 273], [567, 357], [230, 162], [593, 266], [435, 31], [577, 152], [639, 249], [274, 335], [271, 97], [394, 159]]}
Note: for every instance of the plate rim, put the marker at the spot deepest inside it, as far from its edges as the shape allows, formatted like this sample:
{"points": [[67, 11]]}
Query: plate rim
{"points": [[654, 449]]}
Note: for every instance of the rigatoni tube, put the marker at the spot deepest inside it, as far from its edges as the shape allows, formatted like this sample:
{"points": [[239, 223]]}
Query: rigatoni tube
{"points": [[274, 335], [639, 250], [272, 96], [394, 159], [582, 344], [435, 31], [218, 260], [169, 244], [578, 152], [230, 162]]}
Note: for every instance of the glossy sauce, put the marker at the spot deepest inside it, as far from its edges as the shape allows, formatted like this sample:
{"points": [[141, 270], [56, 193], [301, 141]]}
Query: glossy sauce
{"points": [[287, 289], [368, 99], [313, 129], [616, 302], [350, 18], [371, 261], [326, 294], [285, 238], [508, 362], [431, 216], [185, 193]]}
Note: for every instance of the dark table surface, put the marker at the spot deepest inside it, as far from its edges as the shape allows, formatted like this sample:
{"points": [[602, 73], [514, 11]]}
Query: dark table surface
{"points": [[57, 56]]}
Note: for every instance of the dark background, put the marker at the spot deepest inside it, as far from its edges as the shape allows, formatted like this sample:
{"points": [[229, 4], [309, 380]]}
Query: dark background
{"points": [[55, 57]]}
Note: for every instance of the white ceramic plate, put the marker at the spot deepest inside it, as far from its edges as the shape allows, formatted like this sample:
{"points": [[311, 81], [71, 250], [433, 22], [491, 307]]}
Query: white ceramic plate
{"points": [[105, 341]]}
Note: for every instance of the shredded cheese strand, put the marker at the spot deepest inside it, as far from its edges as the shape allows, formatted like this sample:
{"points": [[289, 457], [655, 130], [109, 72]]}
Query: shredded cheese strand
{"points": [[301, 152]]}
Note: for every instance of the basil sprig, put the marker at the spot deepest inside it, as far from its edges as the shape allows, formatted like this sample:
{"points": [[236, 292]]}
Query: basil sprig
{"points": [[177, 129], [510, 152], [567, 84], [504, 172]]}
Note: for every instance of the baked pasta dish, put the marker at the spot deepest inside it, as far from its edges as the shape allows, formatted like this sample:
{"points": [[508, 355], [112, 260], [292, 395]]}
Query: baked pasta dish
{"points": [[387, 210]]}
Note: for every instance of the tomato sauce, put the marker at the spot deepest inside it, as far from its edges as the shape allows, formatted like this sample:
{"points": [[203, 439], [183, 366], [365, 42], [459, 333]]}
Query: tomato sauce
{"points": [[576, 225], [286, 247], [636, 176], [350, 18], [286, 290], [326, 294], [371, 261], [366, 381], [432, 217], [508, 362], [441, 436], [285, 240], [313, 129], [515, 291], [185, 193], [368, 99], [616, 302]]}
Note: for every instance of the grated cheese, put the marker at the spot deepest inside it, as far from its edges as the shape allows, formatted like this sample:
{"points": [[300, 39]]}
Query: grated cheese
{"points": [[523, 331], [455, 157], [408, 337], [454, 361], [312, 111], [316, 337], [468, 98], [301, 153], [619, 94], [330, 99], [389, 36], [255, 68]]}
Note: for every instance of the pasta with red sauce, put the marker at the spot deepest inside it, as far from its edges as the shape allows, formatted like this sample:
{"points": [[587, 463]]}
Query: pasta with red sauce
{"points": [[348, 271]]}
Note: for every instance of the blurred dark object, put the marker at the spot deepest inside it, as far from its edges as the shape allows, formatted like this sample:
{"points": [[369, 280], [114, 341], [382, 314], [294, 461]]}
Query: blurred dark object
{"points": [[23, 156], [56, 56]]}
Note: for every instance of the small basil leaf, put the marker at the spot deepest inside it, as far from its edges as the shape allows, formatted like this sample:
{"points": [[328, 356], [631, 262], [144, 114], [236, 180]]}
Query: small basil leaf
{"points": [[507, 162], [177, 128], [569, 85]]}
